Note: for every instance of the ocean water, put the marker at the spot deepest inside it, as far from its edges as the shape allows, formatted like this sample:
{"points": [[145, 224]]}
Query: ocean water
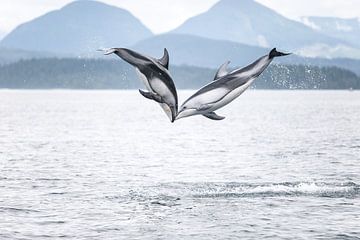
{"points": [[110, 165]]}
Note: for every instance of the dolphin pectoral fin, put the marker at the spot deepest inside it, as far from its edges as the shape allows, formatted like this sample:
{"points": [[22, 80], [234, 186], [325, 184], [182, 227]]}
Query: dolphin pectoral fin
{"points": [[222, 71], [151, 96], [213, 116], [146, 94], [164, 61]]}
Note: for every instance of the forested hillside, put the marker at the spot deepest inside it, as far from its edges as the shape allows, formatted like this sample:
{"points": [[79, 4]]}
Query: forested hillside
{"points": [[116, 74]]}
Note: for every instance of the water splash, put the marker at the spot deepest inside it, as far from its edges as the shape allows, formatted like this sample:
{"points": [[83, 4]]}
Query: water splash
{"points": [[281, 189], [168, 194]]}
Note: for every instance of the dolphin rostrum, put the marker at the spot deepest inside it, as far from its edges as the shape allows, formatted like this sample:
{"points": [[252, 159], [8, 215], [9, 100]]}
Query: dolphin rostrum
{"points": [[155, 75], [225, 88]]}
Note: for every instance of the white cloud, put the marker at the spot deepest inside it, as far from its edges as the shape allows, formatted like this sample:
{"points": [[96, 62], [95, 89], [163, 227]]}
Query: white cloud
{"points": [[307, 22], [262, 41]]}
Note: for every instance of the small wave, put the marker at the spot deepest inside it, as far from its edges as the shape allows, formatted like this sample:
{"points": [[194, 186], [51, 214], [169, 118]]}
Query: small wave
{"points": [[52, 222], [346, 237], [14, 209], [171, 194], [51, 179], [165, 203], [57, 193], [281, 189]]}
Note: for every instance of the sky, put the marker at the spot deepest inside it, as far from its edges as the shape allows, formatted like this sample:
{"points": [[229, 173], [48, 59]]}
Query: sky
{"points": [[164, 15]]}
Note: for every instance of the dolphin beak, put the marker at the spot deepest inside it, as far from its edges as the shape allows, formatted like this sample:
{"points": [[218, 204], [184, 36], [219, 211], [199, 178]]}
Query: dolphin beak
{"points": [[107, 51], [178, 116], [127, 55], [181, 114]]}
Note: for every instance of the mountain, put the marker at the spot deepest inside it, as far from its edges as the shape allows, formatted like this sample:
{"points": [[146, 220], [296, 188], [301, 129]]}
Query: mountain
{"points": [[251, 23], [345, 29], [80, 27], [2, 34], [209, 53], [199, 51]]}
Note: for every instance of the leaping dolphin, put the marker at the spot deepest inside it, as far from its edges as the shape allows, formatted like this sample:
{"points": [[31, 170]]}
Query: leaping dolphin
{"points": [[155, 76], [225, 88]]}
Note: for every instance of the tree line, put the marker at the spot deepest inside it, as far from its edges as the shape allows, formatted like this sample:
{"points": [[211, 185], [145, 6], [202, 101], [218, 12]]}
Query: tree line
{"points": [[72, 73]]}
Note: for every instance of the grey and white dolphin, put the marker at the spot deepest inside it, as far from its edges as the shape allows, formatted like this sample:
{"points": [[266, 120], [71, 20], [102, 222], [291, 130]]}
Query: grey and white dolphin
{"points": [[155, 75], [225, 88]]}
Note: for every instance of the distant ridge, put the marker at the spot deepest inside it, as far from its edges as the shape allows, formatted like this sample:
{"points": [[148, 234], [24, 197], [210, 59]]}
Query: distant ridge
{"points": [[199, 51], [236, 30], [209, 53], [80, 27], [248, 22]]}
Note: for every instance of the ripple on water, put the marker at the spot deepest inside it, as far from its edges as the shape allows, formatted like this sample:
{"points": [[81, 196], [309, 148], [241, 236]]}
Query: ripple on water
{"points": [[109, 165]]}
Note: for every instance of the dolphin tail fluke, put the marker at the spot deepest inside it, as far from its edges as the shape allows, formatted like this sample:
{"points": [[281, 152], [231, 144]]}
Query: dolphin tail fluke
{"points": [[213, 116], [274, 53], [151, 96]]}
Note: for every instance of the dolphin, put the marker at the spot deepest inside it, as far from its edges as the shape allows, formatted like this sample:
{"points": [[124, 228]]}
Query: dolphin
{"points": [[225, 88], [155, 75]]}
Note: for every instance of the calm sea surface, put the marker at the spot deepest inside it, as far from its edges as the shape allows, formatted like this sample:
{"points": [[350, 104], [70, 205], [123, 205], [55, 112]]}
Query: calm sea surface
{"points": [[110, 165]]}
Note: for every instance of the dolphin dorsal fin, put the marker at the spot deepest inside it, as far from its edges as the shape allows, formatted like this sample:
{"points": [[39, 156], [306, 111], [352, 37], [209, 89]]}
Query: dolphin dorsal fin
{"points": [[222, 71], [164, 61]]}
